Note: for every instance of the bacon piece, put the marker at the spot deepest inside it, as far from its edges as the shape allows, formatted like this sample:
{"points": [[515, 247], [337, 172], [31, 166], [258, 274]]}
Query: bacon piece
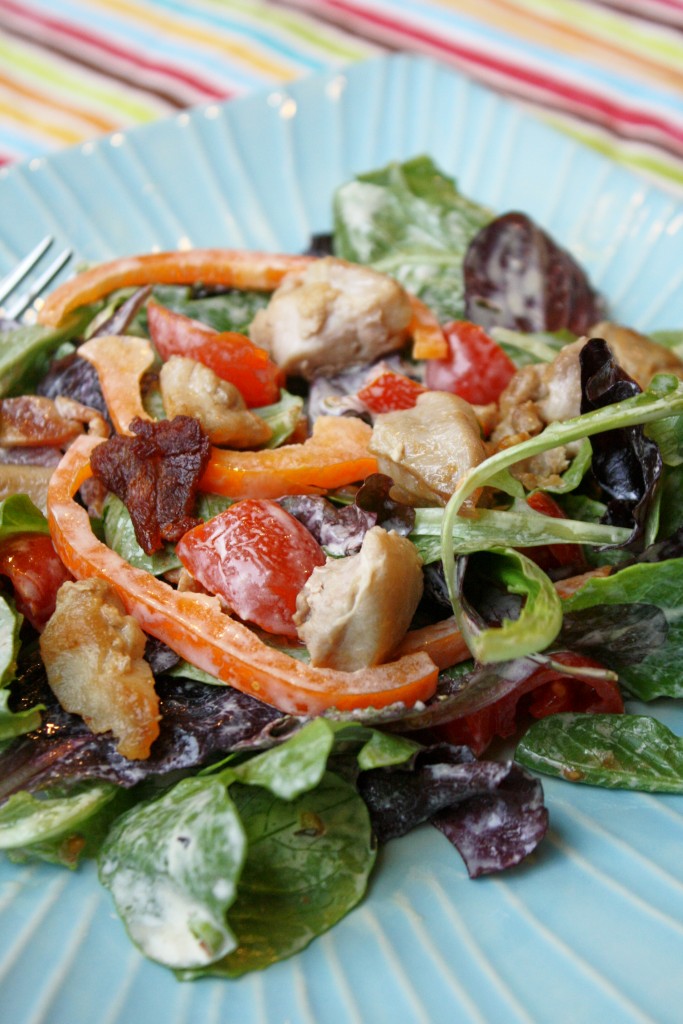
{"points": [[155, 473]]}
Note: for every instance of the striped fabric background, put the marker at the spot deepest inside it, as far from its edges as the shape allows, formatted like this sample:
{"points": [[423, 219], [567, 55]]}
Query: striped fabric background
{"points": [[609, 71]]}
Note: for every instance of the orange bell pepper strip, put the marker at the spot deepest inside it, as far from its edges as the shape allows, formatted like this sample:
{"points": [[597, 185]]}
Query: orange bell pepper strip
{"points": [[121, 363], [194, 626], [336, 454], [228, 268], [429, 341]]}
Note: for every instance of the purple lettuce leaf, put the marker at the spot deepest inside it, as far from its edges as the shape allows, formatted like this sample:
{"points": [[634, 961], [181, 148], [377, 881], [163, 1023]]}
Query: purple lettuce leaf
{"points": [[491, 811], [200, 723], [626, 464], [496, 830]]}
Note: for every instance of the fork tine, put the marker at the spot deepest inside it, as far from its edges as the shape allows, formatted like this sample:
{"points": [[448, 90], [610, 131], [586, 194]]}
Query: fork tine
{"points": [[9, 283], [14, 309]]}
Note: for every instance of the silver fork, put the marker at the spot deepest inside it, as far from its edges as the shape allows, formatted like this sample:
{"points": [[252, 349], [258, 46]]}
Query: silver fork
{"points": [[19, 303]]}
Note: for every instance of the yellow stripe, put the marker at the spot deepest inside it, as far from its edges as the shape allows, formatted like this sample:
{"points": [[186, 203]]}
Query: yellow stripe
{"points": [[168, 25], [22, 117]]}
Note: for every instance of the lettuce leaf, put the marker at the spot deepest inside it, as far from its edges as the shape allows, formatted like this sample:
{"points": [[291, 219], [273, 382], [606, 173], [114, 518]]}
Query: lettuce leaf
{"points": [[615, 751], [632, 622], [409, 220]]}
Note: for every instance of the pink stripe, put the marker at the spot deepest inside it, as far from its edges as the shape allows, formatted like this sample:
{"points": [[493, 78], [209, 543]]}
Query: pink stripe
{"points": [[566, 94], [71, 31]]}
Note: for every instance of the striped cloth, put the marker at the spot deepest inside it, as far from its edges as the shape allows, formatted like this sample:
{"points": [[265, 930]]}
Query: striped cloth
{"points": [[608, 71]]}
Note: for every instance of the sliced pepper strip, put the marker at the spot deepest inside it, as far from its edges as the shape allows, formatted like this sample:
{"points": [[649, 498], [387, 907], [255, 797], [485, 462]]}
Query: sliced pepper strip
{"points": [[334, 455], [121, 363], [194, 626], [229, 268], [429, 340]]}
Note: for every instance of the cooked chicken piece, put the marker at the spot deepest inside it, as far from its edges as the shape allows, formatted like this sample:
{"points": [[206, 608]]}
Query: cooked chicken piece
{"points": [[331, 315], [189, 388], [352, 612], [637, 354], [93, 655], [426, 450], [544, 393]]}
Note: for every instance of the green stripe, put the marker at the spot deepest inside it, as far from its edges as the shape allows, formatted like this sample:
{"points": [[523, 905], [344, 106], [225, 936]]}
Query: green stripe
{"points": [[313, 35], [50, 74], [631, 156], [610, 26]]}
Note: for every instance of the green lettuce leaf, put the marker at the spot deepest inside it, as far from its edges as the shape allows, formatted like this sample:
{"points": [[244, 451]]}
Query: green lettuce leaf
{"points": [[57, 825], [25, 351], [172, 867], [308, 863], [119, 535], [18, 514], [409, 220], [615, 751], [632, 621]]}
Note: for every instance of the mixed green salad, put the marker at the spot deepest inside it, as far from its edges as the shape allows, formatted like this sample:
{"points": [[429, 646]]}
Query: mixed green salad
{"points": [[294, 548]]}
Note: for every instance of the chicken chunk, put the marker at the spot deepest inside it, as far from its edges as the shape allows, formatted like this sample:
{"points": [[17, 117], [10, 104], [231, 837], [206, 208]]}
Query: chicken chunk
{"points": [[641, 357], [93, 655], [189, 388], [545, 393], [426, 450], [352, 612], [331, 315]]}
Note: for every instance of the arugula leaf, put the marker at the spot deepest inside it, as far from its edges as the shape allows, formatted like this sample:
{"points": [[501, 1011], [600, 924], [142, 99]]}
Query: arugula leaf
{"points": [[172, 867], [615, 751], [409, 220], [538, 619], [17, 723], [664, 397], [519, 526], [308, 865]]}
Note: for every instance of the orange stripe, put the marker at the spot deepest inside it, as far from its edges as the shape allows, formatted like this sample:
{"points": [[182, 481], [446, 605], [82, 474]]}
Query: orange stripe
{"points": [[567, 38], [44, 99], [22, 117]]}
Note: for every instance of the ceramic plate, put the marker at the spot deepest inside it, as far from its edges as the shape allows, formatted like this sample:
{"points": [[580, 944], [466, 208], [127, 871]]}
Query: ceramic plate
{"points": [[591, 928]]}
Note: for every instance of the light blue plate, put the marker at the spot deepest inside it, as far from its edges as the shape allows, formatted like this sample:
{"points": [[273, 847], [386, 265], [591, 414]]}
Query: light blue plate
{"points": [[591, 928]]}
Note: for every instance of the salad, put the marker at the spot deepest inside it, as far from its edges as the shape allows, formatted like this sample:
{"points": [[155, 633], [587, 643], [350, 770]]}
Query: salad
{"points": [[296, 546]]}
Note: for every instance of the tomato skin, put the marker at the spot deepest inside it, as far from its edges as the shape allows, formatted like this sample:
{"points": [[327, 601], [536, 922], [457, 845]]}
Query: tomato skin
{"points": [[232, 356], [36, 573], [257, 557], [545, 692], [390, 391], [551, 556], [477, 368]]}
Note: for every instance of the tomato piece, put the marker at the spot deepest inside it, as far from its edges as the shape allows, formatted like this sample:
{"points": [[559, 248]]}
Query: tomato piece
{"points": [[232, 356], [390, 391], [477, 368], [547, 691], [36, 573], [550, 556], [257, 557]]}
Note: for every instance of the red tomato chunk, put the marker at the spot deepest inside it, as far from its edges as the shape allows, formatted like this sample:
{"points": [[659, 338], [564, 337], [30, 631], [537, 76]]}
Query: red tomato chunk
{"points": [[257, 557], [390, 391], [232, 356], [36, 573], [477, 368]]}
